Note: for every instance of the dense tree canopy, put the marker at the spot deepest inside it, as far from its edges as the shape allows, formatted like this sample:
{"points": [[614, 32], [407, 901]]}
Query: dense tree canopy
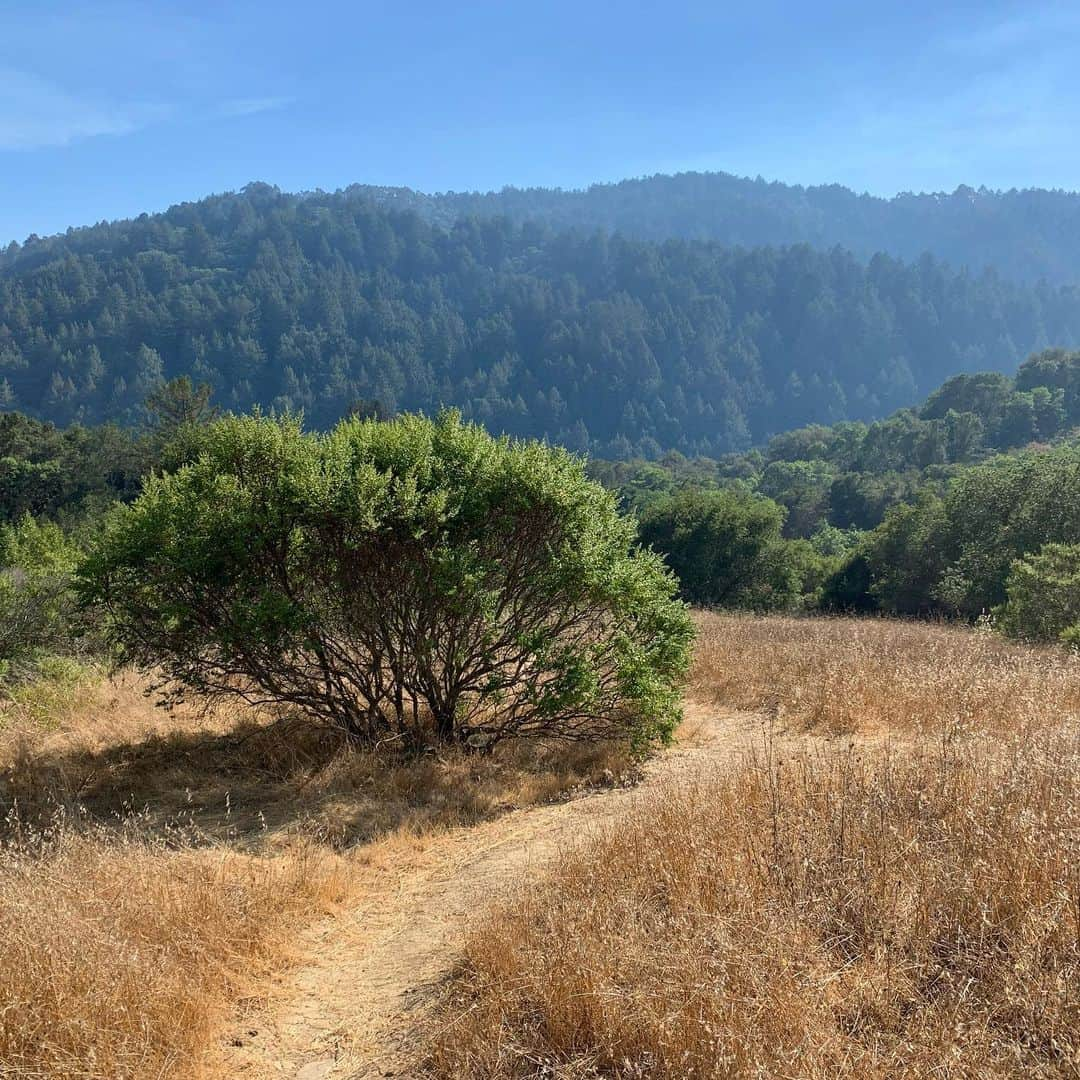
{"points": [[725, 548], [952, 553], [847, 475], [596, 342], [1025, 235], [1043, 602], [67, 473]]}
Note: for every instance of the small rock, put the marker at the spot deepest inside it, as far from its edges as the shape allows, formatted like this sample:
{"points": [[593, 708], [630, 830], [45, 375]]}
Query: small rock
{"points": [[315, 1070]]}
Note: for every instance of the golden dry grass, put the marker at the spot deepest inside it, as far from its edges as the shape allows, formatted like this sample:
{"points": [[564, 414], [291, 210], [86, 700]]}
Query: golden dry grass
{"points": [[154, 868], [107, 754], [122, 958], [842, 675], [866, 909]]}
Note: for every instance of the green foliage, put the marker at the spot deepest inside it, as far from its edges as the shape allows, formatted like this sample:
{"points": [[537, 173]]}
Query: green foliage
{"points": [[849, 475], [860, 500], [408, 578], [1054, 369], [1030, 235], [802, 488], [848, 588], [1043, 592], [905, 557], [985, 393], [831, 542], [37, 614], [66, 474], [597, 342], [1007, 508], [34, 546], [1008, 414], [953, 553], [726, 549], [177, 405]]}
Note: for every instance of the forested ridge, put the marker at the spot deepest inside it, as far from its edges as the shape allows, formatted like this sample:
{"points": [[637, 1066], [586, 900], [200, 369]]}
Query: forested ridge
{"points": [[1026, 235], [924, 511], [599, 342]]}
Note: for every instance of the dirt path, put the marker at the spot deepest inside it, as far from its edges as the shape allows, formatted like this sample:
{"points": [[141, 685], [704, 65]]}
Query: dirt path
{"points": [[348, 1010]]}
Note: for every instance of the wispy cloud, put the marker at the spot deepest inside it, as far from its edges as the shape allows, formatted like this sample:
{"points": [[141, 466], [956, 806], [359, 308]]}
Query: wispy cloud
{"points": [[36, 113], [251, 106]]}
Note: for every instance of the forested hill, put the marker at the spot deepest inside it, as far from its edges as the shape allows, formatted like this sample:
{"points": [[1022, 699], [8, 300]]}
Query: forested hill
{"points": [[1024, 235], [616, 345]]}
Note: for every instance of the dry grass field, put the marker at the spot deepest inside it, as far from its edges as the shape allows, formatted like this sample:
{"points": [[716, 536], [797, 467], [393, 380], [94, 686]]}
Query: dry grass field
{"points": [[121, 958], [894, 893], [877, 676], [901, 906], [156, 868]]}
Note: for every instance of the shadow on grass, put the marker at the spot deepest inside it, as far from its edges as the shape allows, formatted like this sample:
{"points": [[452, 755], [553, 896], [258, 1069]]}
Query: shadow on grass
{"points": [[259, 783]]}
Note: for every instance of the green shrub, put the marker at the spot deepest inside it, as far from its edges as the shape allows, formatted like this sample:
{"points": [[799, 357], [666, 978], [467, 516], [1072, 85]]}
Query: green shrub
{"points": [[726, 549], [1043, 596], [37, 611], [406, 579]]}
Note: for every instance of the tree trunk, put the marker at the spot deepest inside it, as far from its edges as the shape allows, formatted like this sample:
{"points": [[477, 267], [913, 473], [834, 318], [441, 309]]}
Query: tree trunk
{"points": [[445, 729]]}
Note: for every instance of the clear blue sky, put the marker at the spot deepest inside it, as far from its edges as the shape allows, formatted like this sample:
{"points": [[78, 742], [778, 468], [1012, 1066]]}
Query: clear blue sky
{"points": [[108, 109]]}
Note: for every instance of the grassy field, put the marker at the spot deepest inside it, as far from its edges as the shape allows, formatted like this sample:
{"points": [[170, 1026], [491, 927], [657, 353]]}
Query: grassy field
{"points": [[881, 676], [155, 868], [906, 904], [886, 885]]}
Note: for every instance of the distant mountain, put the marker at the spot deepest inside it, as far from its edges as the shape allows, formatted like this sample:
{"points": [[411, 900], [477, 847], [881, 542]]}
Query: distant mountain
{"points": [[611, 344], [1025, 235]]}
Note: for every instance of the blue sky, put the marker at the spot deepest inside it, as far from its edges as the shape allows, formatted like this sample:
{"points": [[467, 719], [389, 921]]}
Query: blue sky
{"points": [[108, 109]]}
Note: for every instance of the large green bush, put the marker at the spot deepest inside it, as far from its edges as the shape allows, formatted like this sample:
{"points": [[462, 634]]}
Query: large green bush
{"points": [[726, 549], [402, 579]]}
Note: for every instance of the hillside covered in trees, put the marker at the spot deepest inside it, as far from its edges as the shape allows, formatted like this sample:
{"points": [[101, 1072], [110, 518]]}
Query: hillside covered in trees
{"points": [[1025, 235], [847, 476], [617, 346], [846, 516], [962, 507]]}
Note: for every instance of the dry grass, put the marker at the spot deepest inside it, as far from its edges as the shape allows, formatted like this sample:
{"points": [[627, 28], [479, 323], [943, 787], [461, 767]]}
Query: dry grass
{"points": [[879, 676], [121, 959], [869, 909], [259, 781], [911, 915], [155, 867]]}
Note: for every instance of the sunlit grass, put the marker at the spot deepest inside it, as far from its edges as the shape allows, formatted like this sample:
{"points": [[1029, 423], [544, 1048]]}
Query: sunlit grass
{"points": [[156, 868], [875, 675], [904, 907]]}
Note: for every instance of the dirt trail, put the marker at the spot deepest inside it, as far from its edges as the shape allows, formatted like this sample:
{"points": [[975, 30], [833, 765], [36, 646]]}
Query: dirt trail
{"points": [[347, 1011]]}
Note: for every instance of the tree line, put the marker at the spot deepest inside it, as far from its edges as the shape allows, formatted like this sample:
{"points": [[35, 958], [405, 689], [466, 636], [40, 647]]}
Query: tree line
{"points": [[962, 507], [966, 507], [600, 343], [1026, 235]]}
